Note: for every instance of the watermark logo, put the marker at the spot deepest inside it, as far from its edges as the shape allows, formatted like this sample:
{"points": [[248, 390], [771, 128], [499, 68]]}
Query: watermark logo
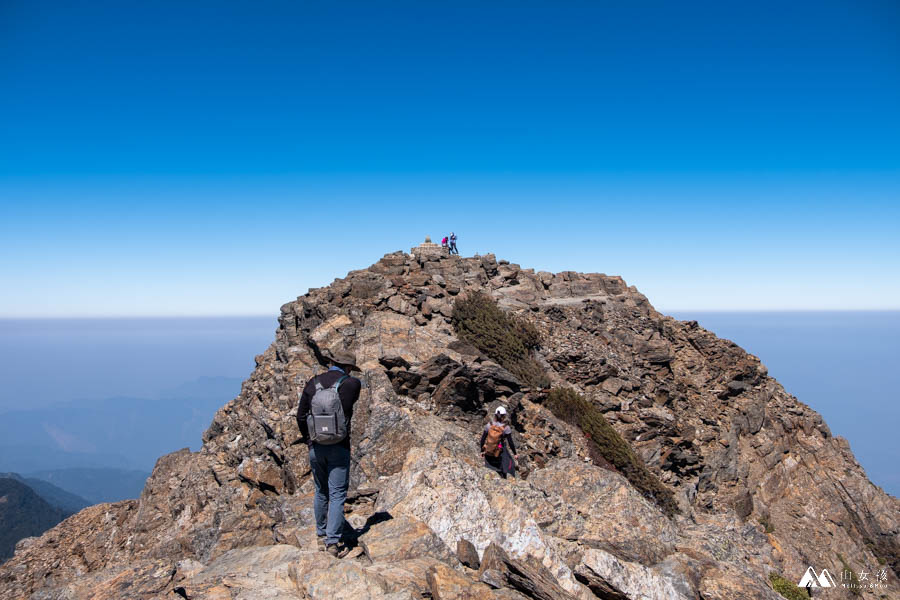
{"points": [[811, 580], [851, 580]]}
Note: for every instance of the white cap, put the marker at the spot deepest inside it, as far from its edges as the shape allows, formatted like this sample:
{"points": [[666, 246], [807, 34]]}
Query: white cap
{"points": [[500, 411]]}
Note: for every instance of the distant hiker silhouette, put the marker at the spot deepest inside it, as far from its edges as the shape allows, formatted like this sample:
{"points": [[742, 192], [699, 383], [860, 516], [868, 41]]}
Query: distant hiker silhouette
{"points": [[326, 407], [497, 446], [453, 249], [444, 242]]}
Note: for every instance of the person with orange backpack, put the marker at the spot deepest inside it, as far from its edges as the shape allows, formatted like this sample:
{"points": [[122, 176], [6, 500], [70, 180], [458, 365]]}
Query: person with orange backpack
{"points": [[497, 445]]}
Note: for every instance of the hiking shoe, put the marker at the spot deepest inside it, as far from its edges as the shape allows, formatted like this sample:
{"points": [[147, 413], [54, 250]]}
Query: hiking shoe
{"points": [[338, 551], [320, 543]]}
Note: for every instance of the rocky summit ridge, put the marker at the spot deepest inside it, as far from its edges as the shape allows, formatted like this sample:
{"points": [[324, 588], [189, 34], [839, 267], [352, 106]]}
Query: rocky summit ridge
{"points": [[761, 485]]}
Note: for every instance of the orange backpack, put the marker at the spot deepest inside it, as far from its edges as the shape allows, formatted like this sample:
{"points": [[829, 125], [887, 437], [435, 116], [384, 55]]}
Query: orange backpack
{"points": [[492, 443]]}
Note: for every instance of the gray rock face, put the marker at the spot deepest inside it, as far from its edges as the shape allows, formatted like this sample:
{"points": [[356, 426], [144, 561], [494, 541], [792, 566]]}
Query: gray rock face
{"points": [[602, 510], [234, 520]]}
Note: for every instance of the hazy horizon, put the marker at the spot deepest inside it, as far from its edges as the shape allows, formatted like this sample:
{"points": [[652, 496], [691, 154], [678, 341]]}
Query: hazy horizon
{"points": [[96, 372], [274, 316], [132, 357]]}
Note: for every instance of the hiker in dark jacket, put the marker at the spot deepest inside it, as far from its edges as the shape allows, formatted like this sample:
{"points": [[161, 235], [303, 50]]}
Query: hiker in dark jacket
{"points": [[453, 249], [499, 456], [330, 463]]}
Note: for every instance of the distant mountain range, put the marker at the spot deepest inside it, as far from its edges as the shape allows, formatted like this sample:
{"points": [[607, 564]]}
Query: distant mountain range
{"points": [[23, 513], [94, 485], [66, 501], [31, 505], [84, 452]]}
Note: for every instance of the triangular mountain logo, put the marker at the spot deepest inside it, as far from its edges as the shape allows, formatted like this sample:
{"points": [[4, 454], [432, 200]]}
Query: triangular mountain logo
{"points": [[811, 580], [825, 579]]}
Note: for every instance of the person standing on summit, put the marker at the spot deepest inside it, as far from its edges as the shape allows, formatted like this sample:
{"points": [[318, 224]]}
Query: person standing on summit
{"points": [[324, 414], [453, 249]]}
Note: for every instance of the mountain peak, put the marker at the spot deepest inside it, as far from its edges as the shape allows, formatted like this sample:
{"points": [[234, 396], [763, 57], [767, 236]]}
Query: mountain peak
{"points": [[686, 471]]}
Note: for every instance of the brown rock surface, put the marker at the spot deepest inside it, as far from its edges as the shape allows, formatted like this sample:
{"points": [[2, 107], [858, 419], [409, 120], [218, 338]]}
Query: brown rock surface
{"points": [[445, 583], [467, 554], [233, 520], [533, 580], [402, 538]]}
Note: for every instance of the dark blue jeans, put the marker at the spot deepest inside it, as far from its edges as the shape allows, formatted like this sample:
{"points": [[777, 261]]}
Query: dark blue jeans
{"points": [[331, 472]]}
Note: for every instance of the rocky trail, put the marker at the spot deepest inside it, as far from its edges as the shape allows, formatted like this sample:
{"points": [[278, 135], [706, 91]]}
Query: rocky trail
{"points": [[758, 483]]}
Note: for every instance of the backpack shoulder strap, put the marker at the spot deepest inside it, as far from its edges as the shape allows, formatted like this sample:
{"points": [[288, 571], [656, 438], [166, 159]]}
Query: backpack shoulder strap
{"points": [[318, 384], [337, 384]]}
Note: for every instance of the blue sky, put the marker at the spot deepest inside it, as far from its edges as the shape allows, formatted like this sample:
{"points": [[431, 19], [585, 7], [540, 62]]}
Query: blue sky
{"points": [[220, 158]]}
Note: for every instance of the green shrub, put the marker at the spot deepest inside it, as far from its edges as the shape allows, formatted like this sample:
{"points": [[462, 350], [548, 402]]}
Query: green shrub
{"points": [[571, 407], [505, 338], [787, 588]]}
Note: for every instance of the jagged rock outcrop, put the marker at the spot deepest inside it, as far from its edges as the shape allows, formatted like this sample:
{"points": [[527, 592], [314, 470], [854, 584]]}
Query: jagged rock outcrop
{"points": [[760, 482]]}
